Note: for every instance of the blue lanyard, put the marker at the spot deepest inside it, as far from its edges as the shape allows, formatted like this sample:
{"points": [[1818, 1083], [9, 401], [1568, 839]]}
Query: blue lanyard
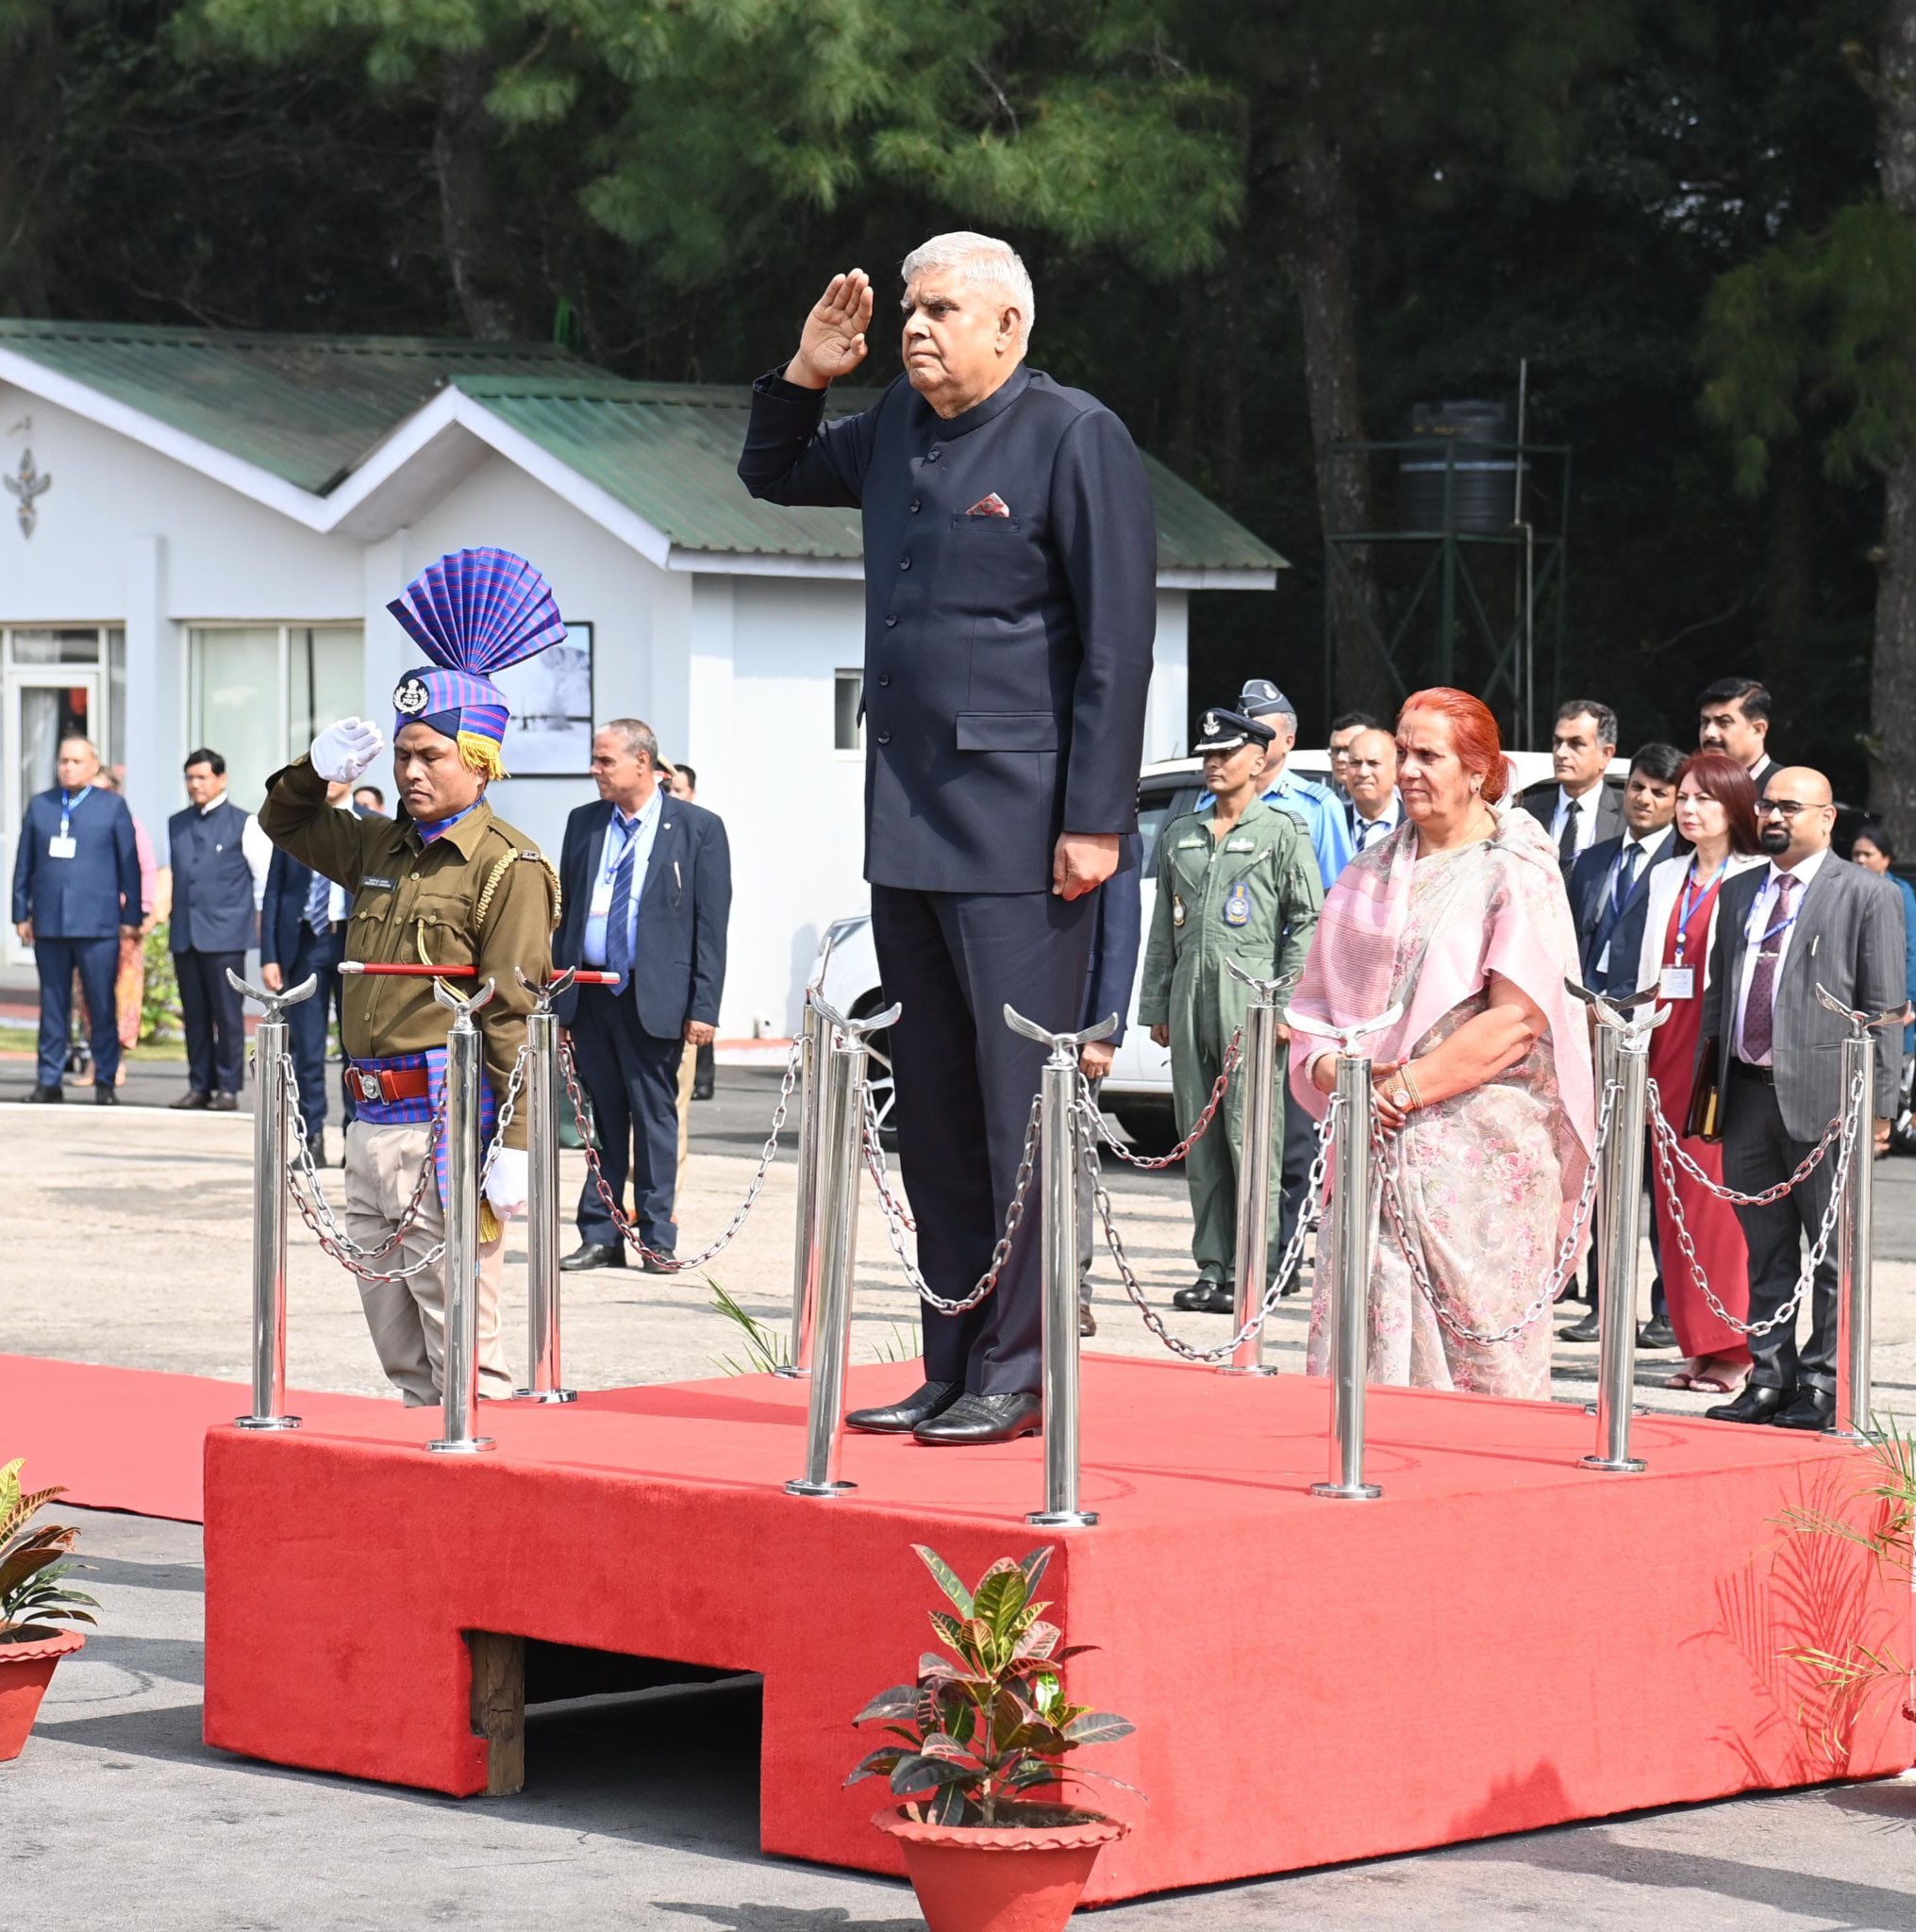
{"points": [[69, 805], [1692, 900], [630, 828], [1778, 930]]}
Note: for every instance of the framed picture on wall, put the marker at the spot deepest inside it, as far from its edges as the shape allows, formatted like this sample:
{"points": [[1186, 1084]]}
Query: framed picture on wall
{"points": [[550, 734]]}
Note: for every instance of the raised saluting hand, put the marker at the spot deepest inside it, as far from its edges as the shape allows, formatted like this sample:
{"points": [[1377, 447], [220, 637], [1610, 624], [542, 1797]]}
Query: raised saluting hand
{"points": [[833, 341]]}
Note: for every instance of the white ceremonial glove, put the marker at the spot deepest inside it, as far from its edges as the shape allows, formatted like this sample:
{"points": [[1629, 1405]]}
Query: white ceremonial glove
{"points": [[343, 751], [507, 1184]]}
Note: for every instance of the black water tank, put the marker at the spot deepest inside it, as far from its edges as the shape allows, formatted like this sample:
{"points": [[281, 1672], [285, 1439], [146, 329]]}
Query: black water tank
{"points": [[1483, 480]]}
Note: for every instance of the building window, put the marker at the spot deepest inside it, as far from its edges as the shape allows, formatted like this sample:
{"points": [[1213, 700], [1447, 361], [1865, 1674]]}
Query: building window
{"points": [[848, 697], [258, 695]]}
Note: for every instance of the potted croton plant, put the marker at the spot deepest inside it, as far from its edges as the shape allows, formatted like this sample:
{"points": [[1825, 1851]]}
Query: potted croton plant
{"points": [[33, 1598], [982, 1728]]}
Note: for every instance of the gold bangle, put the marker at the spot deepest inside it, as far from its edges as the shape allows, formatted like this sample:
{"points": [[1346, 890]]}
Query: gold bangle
{"points": [[1405, 1074]]}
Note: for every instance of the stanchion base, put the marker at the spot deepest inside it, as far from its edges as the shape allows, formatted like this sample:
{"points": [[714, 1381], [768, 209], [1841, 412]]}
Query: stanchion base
{"points": [[799, 1486], [545, 1396], [1622, 1465], [1636, 1409], [1249, 1369], [266, 1422], [1063, 1518], [472, 1446], [1852, 1434], [791, 1372], [1348, 1493]]}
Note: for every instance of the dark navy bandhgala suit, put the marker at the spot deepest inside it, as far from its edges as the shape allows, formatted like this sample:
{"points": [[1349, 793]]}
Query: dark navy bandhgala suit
{"points": [[77, 906], [628, 1044], [288, 941], [1007, 662], [209, 930]]}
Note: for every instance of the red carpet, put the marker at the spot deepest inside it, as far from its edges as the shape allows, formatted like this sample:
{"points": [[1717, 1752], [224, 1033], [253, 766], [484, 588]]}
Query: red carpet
{"points": [[1506, 1641]]}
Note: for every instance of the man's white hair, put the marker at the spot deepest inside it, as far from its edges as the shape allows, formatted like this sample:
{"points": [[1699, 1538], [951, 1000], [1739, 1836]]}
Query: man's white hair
{"points": [[986, 263]]}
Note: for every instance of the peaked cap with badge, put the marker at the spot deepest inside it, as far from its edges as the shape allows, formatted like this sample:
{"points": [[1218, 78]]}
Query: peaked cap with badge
{"points": [[1226, 730]]}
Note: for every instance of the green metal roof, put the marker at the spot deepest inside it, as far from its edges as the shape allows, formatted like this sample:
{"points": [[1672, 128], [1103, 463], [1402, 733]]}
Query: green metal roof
{"points": [[670, 452], [311, 408], [306, 409]]}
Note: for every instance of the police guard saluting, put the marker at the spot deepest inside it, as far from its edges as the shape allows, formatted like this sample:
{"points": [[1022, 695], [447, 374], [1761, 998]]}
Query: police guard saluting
{"points": [[444, 884], [1236, 881]]}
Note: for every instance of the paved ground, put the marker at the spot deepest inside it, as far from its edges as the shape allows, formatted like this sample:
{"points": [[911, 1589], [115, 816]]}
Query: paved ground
{"points": [[639, 1815]]}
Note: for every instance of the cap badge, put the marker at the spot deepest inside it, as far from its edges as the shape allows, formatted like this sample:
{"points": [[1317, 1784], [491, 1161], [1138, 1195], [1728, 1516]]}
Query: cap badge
{"points": [[412, 697]]}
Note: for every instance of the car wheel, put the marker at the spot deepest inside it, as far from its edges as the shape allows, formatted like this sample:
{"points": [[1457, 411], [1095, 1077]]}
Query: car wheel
{"points": [[1152, 1129], [884, 1092]]}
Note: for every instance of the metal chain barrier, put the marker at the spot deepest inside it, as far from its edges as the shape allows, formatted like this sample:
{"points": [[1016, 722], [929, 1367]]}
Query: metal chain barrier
{"points": [[1663, 1137], [662, 1261], [1388, 1158], [1307, 1219], [1659, 1127], [897, 1223], [1234, 1049]]}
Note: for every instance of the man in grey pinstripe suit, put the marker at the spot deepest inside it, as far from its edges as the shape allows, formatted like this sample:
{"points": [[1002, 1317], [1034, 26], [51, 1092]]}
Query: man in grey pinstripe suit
{"points": [[1804, 920]]}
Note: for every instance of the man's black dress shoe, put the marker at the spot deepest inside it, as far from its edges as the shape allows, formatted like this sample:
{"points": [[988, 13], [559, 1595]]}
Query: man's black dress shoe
{"points": [[1222, 1300], [593, 1254], [194, 1099], [1196, 1296], [901, 1418], [1086, 1322], [224, 1103], [984, 1419], [1809, 1408], [660, 1264], [105, 1094], [1588, 1329], [701, 1089], [47, 1096], [1759, 1403], [1657, 1333]]}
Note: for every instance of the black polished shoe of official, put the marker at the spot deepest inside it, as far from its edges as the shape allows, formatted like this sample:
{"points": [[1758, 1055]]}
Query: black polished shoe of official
{"points": [[1086, 1322], [1761, 1401], [594, 1255], [1588, 1329], [1657, 1333], [1196, 1296], [47, 1096], [701, 1089], [224, 1103], [657, 1264], [900, 1418], [104, 1093], [194, 1099], [1808, 1409], [1222, 1300], [975, 1419]]}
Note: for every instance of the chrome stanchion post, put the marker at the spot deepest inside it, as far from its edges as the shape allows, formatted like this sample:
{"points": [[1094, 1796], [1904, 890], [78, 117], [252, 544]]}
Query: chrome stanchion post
{"points": [[1259, 1070], [1350, 1342], [1623, 1033], [459, 1369], [845, 1066], [543, 1108], [1059, 1088], [1854, 1397], [814, 1044], [269, 1204]]}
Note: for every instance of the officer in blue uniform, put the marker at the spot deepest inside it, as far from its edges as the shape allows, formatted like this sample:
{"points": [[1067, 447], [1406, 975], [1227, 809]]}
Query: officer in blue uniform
{"points": [[1009, 610]]}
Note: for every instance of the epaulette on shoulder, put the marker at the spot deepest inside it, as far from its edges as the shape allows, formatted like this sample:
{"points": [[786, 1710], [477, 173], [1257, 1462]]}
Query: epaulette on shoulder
{"points": [[533, 856]]}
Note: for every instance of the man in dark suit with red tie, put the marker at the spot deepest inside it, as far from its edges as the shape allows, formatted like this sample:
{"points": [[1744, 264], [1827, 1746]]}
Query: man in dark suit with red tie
{"points": [[647, 893], [1010, 587]]}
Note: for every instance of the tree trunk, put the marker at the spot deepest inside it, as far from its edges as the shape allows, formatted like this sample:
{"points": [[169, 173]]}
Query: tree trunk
{"points": [[1892, 671], [1789, 567], [479, 257], [1320, 249]]}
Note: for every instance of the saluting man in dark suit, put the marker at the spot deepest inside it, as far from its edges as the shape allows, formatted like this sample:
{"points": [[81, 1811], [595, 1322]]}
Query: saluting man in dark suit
{"points": [[647, 894], [1802, 921], [76, 890], [1009, 612], [1580, 807]]}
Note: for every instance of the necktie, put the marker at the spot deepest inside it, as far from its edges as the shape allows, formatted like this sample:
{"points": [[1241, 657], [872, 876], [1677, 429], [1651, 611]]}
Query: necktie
{"points": [[1566, 839], [619, 920], [1626, 879], [319, 896], [1760, 1010]]}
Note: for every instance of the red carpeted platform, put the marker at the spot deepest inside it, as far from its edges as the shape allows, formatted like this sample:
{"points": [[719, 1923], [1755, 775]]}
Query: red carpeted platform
{"points": [[131, 1438], [1506, 1641]]}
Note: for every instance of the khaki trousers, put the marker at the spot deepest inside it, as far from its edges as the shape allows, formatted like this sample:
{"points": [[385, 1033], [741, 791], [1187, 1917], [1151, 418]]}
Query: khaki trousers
{"points": [[408, 1318], [688, 1073]]}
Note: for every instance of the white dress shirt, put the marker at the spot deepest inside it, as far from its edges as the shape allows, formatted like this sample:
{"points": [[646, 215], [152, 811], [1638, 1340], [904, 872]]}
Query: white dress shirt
{"points": [[1761, 917], [1648, 851], [1367, 832], [1587, 807], [642, 830]]}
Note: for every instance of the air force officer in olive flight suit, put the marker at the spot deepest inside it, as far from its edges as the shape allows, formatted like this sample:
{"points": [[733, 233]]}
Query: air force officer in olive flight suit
{"points": [[1011, 565]]}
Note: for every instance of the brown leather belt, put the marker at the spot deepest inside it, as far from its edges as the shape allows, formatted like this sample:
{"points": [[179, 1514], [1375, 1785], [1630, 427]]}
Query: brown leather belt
{"points": [[389, 1083]]}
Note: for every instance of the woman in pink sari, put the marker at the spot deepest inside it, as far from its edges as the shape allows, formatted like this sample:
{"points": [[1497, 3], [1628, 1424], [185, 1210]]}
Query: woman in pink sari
{"points": [[1483, 1087]]}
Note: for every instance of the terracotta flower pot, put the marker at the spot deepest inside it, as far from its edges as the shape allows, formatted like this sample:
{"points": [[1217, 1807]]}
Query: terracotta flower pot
{"points": [[1024, 1877], [26, 1671]]}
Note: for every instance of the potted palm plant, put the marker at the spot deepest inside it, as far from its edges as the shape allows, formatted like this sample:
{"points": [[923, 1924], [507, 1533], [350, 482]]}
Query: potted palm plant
{"points": [[985, 1724], [33, 1598]]}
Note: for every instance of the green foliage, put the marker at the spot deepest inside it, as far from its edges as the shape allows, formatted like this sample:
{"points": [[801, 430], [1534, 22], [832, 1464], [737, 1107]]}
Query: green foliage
{"points": [[990, 1721], [32, 1576], [768, 1350], [160, 1016]]}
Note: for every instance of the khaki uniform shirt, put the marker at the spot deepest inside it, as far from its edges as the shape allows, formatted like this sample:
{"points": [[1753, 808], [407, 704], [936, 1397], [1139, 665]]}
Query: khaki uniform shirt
{"points": [[482, 894]]}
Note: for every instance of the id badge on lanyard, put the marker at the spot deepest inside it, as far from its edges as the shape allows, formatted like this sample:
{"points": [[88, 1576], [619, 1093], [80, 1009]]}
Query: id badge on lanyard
{"points": [[62, 844]]}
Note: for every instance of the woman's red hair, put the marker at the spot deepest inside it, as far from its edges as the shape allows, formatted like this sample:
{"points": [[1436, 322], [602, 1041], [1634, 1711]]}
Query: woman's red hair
{"points": [[1720, 776], [1474, 733]]}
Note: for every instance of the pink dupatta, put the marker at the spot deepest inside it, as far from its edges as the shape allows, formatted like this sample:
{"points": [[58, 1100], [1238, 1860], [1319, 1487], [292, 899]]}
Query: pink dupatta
{"points": [[1508, 916]]}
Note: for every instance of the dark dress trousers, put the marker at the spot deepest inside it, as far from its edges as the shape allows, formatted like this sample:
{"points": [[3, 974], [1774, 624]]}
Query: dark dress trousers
{"points": [[288, 941], [1848, 937], [77, 906], [211, 927], [1011, 572], [1117, 934], [628, 1044]]}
